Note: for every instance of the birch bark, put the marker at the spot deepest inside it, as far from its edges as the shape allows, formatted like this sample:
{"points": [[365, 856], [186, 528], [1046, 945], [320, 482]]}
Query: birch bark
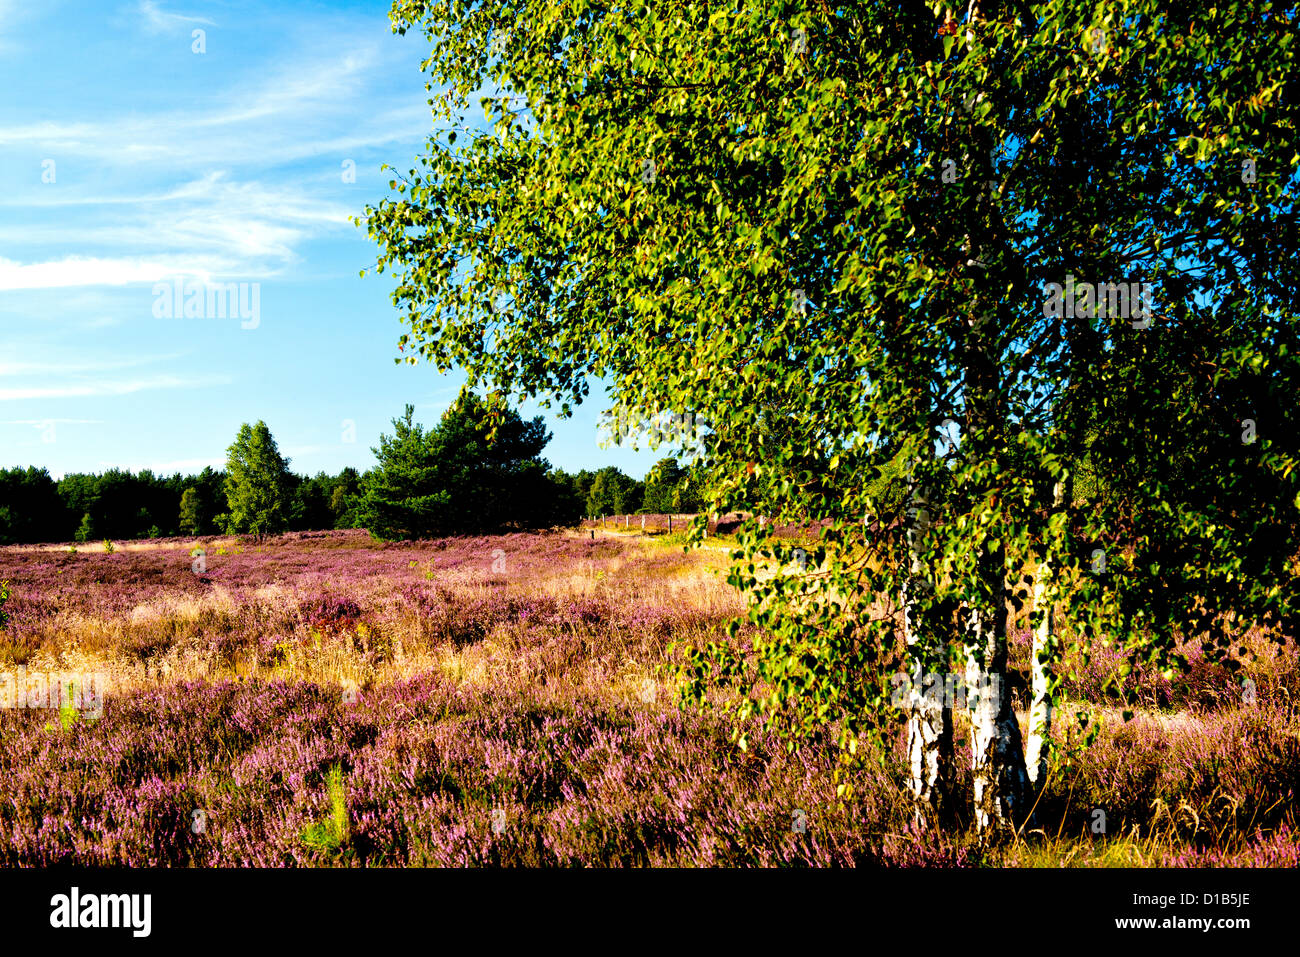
{"points": [[930, 751], [1043, 655], [997, 758]]}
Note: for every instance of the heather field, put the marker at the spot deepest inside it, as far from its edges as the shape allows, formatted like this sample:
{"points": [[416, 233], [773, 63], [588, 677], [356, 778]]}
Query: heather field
{"points": [[322, 699]]}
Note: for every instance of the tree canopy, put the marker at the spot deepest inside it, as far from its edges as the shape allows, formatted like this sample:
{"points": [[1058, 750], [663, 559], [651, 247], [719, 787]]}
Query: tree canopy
{"points": [[258, 483], [841, 231], [613, 493], [457, 478]]}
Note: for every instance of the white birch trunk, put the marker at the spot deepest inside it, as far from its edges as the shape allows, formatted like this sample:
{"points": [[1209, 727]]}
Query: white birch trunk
{"points": [[1040, 706], [997, 758], [1042, 657], [929, 716], [997, 750]]}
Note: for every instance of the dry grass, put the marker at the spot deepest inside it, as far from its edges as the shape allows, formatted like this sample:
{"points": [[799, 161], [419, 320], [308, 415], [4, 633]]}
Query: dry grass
{"points": [[576, 624]]}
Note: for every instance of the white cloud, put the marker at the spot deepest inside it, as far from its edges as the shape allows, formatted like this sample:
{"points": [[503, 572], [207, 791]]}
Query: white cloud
{"points": [[79, 271], [83, 390], [240, 214], [38, 423], [193, 138], [318, 105], [11, 368], [160, 21], [240, 230]]}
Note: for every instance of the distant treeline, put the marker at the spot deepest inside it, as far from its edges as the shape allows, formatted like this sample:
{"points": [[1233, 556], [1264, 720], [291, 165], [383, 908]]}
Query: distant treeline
{"points": [[438, 492], [666, 488], [119, 504]]}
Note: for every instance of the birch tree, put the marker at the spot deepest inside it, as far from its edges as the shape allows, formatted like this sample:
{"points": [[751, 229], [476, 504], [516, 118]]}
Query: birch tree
{"points": [[1067, 228], [257, 483]]}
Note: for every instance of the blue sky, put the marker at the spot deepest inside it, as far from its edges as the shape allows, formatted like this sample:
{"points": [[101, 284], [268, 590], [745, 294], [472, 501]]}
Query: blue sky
{"points": [[129, 159]]}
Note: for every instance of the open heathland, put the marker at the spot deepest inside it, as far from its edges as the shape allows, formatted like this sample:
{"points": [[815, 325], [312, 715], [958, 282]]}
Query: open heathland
{"points": [[323, 699]]}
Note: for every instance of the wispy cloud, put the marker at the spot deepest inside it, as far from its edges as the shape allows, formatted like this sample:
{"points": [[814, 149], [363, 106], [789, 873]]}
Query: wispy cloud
{"points": [[161, 21], [82, 390], [239, 230], [312, 105], [243, 216], [10, 10], [223, 167], [290, 132], [39, 423], [12, 368], [79, 271]]}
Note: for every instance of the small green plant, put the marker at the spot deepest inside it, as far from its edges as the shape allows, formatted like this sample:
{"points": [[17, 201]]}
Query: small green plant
{"points": [[279, 653], [68, 713], [4, 597], [327, 836], [109, 547], [72, 549]]}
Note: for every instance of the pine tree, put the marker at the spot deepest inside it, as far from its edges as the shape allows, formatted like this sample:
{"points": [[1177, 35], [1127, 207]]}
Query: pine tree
{"points": [[454, 479]]}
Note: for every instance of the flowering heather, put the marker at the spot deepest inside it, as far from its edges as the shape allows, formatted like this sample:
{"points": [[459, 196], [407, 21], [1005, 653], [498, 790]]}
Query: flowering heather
{"points": [[322, 699], [425, 763]]}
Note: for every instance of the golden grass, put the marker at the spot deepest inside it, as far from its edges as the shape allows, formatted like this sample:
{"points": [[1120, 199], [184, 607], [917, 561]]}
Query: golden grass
{"points": [[228, 542], [598, 663]]}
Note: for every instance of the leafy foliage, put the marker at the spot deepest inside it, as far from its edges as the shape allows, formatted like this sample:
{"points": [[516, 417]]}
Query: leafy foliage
{"points": [[668, 489], [28, 501], [613, 493], [191, 518], [333, 831], [742, 212], [257, 483]]}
